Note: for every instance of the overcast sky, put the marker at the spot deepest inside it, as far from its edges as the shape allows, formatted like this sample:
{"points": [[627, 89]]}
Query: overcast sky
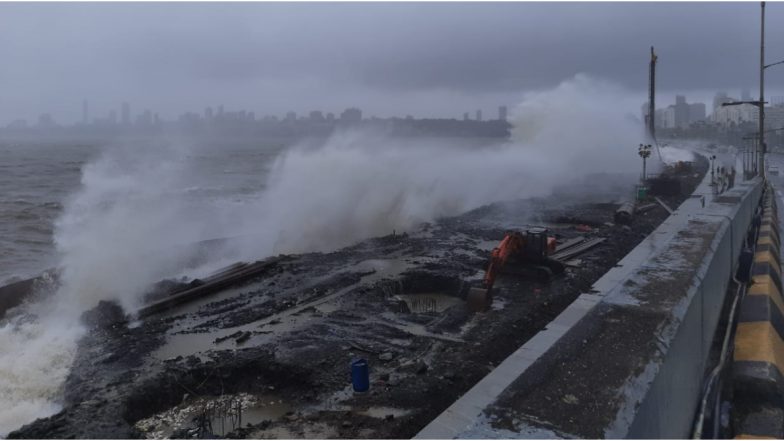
{"points": [[435, 59]]}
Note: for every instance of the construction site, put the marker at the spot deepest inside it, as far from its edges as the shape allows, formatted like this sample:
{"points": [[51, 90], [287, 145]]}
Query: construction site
{"points": [[265, 349], [616, 306]]}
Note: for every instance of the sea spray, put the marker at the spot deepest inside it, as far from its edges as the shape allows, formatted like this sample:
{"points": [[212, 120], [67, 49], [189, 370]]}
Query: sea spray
{"points": [[125, 228], [38, 345], [360, 184]]}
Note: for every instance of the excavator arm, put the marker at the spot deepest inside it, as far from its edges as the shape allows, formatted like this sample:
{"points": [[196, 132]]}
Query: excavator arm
{"points": [[511, 244], [532, 250], [478, 299]]}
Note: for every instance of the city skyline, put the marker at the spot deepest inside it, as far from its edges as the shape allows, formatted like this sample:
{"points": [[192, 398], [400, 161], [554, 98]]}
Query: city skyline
{"points": [[438, 59], [123, 115]]}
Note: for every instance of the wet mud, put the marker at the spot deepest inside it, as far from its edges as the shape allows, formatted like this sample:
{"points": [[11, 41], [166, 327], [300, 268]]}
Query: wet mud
{"points": [[270, 357]]}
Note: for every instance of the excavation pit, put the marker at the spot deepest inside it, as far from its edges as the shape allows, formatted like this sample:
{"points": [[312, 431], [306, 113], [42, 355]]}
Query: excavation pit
{"points": [[424, 293], [428, 302]]}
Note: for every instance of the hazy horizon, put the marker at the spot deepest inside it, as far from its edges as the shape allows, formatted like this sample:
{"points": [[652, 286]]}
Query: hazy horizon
{"points": [[389, 59]]}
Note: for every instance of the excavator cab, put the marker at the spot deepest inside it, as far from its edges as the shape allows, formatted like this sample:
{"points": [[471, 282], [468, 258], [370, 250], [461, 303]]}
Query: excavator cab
{"points": [[536, 247]]}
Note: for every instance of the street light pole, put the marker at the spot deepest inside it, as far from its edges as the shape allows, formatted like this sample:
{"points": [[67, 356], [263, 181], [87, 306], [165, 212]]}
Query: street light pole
{"points": [[762, 93], [644, 152]]}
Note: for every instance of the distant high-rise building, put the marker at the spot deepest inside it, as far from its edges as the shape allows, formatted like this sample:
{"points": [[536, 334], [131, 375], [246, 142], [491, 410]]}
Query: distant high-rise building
{"points": [[208, 114], [220, 110], [144, 119], [671, 117], [316, 116], [660, 118], [84, 112], [112, 117], [743, 113], [502, 113], [745, 95], [678, 115], [681, 110], [125, 114], [479, 115], [291, 116], [696, 112], [774, 117], [330, 117], [465, 116]]}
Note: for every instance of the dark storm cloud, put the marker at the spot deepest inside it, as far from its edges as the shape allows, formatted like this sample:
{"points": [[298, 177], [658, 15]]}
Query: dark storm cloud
{"points": [[386, 56]]}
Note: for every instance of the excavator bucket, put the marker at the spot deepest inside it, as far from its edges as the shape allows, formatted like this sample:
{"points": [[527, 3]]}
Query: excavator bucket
{"points": [[479, 299]]}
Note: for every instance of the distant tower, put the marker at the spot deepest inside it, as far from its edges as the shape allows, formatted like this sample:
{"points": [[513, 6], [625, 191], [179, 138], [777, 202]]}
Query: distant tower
{"points": [[465, 116], [84, 112], [502, 113], [125, 114], [479, 115], [745, 95], [651, 120]]}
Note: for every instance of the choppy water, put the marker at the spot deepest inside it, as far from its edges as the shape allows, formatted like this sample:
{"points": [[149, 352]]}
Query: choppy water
{"points": [[37, 178], [66, 192]]}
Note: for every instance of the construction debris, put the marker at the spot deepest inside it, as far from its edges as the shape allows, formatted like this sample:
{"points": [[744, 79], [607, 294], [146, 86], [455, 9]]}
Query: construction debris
{"points": [[661, 202], [624, 213], [308, 316], [576, 250], [645, 208]]}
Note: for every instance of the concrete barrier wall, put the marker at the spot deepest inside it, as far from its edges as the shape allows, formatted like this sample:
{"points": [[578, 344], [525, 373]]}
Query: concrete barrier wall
{"points": [[758, 358], [650, 322], [667, 406]]}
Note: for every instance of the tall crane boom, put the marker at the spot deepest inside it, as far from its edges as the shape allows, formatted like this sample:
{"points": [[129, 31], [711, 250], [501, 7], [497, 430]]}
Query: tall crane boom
{"points": [[652, 96]]}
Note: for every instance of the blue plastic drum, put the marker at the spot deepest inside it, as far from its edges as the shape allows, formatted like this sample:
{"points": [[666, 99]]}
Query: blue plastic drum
{"points": [[360, 375]]}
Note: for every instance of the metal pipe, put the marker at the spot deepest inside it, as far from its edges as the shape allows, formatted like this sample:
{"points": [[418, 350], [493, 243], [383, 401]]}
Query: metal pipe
{"points": [[652, 97], [697, 433], [731, 322]]}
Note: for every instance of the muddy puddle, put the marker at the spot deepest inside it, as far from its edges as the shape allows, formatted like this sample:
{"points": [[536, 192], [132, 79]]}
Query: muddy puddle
{"points": [[384, 412], [183, 344], [312, 431], [336, 402], [417, 329], [383, 268], [182, 341], [216, 415]]}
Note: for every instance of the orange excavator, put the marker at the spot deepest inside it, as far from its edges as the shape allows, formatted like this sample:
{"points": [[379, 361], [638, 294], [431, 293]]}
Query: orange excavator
{"points": [[528, 255]]}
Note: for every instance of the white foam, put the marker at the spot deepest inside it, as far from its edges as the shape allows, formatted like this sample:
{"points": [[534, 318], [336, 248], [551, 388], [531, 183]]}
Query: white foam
{"points": [[123, 230]]}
